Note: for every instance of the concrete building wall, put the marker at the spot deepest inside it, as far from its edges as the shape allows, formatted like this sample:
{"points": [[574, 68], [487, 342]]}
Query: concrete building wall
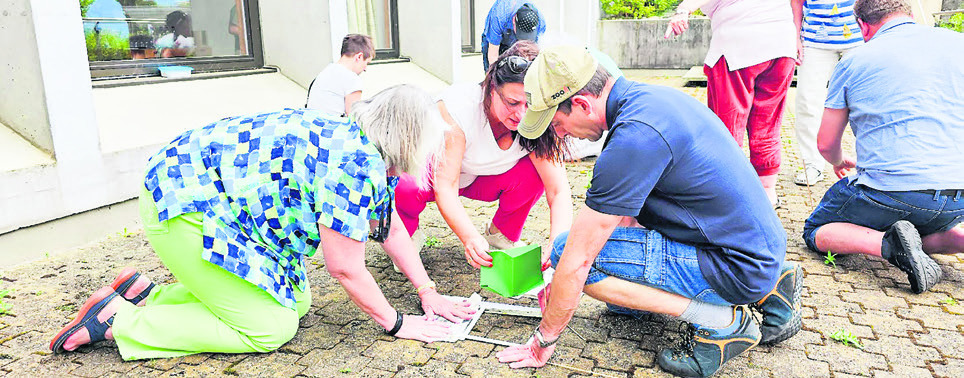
{"points": [[640, 43], [22, 98], [296, 37], [430, 34]]}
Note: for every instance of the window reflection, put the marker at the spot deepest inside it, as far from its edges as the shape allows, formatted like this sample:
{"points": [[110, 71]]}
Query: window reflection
{"points": [[155, 29]]}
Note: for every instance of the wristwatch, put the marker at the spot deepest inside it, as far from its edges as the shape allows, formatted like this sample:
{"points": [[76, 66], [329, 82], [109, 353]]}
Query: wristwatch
{"points": [[542, 340]]}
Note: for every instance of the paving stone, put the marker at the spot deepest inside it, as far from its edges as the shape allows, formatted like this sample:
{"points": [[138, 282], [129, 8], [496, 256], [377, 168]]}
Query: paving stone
{"points": [[324, 336], [933, 317], [600, 372], [826, 325], [210, 367], [787, 363], [515, 335], [590, 308], [910, 354], [927, 298], [569, 360], [342, 359], [458, 352], [432, 368], [41, 366], [490, 367], [800, 340], [951, 368], [585, 328], [649, 372], [875, 300], [389, 355], [165, 364], [886, 323], [948, 343], [269, 365], [741, 366], [900, 371], [846, 359], [619, 355], [829, 304], [827, 283]]}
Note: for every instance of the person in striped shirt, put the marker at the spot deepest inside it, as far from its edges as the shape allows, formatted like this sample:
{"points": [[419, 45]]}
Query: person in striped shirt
{"points": [[827, 29]]}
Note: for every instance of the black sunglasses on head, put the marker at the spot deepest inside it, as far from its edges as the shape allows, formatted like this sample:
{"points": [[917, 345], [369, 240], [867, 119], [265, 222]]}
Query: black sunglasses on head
{"points": [[517, 64], [379, 232]]}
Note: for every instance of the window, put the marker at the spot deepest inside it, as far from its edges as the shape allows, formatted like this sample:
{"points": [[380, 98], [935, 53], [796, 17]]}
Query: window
{"points": [[468, 26], [379, 20], [133, 37]]}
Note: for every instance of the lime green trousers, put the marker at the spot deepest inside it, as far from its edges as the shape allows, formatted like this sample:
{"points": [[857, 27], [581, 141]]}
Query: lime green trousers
{"points": [[208, 309]]}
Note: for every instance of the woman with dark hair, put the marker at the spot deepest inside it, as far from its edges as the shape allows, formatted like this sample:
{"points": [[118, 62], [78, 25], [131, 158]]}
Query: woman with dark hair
{"points": [[486, 160], [180, 40]]}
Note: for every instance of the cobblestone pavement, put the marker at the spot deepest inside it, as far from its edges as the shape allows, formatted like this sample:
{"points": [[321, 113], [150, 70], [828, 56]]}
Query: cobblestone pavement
{"points": [[902, 334]]}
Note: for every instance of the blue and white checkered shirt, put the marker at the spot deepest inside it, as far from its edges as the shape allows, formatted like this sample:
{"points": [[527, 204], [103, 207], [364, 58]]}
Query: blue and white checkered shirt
{"points": [[264, 183]]}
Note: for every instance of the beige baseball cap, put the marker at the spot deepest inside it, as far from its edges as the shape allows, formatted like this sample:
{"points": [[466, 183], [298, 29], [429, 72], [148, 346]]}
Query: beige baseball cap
{"points": [[555, 75]]}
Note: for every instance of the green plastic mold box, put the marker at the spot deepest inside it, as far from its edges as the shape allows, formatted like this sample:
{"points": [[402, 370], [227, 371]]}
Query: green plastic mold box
{"points": [[514, 271]]}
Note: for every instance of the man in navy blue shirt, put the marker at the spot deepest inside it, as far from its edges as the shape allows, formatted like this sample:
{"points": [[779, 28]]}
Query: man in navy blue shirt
{"points": [[507, 22], [676, 220]]}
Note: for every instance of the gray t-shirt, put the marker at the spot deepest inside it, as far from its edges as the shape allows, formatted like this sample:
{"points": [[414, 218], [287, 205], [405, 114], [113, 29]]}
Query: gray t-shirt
{"points": [[328, 92]]}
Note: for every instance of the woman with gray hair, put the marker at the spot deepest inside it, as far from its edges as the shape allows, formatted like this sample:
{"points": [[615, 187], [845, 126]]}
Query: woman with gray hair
{"points": [[233, 209]]}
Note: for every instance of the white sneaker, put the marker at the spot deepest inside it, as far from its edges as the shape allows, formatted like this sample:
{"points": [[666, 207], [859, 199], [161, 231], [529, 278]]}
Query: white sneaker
{"points": [[419, 239], [499, 241], [810, 176]]}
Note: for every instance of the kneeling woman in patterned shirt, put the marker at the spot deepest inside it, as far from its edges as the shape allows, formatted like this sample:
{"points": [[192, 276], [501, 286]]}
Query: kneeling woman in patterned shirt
{"points": [[233, 209]]}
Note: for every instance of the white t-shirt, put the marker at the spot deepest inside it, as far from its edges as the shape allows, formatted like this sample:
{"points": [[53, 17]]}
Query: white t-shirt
{"points": [[328, 92], [482, 157]]}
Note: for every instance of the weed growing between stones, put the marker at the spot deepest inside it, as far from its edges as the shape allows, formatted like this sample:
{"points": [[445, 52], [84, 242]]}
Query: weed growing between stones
{"points": [[847, 338], [830, 259], [5, 307]]}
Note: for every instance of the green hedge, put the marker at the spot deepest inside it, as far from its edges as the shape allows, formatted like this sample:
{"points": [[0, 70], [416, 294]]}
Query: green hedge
{"points": [[112, 47], [955, 23], [638, 8]]}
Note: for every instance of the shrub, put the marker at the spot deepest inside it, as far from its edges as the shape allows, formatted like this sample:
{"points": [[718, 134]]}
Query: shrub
{"points": [[955, 23], [112, 47], [638, 8]]}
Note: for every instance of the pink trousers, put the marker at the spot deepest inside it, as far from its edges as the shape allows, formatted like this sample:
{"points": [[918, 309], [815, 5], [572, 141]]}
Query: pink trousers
{"points": [[751, 101], [517, 190]]}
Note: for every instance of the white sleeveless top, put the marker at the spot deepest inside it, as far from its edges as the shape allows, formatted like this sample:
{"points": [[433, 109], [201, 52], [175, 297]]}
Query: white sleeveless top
{"points": [[482, 157]]}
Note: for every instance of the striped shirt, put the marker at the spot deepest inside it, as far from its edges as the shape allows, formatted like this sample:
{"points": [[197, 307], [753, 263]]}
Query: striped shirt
{"points": [[830, 24]]}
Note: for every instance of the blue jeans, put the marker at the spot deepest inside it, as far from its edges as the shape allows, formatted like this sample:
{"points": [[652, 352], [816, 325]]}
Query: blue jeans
{"points": [[648, 258], [849, 202]]}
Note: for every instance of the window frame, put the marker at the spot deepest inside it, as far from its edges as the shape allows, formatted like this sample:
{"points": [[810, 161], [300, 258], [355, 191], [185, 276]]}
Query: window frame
{"points": [[115, 69], [470, 48], [392, 52]]}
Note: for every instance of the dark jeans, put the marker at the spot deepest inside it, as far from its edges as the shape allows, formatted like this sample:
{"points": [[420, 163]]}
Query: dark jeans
{"points": [[849, 202]]}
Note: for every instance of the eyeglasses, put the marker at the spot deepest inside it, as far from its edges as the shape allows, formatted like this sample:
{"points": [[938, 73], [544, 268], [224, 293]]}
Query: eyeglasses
{"points": [[517, 64]]}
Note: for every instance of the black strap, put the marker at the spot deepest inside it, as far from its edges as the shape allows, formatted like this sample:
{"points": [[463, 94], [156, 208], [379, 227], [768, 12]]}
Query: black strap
{"points": [[398, 325], [309, 91]]}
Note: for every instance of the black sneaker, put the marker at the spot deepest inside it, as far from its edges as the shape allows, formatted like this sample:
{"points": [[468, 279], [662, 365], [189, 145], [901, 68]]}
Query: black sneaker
{"points": [[780, 308], [705, 350], [902, 243]]}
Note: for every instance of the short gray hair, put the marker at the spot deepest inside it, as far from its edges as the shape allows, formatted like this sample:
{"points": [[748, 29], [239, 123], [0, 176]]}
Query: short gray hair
{"points": [[405, 126], [873, 11]]}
